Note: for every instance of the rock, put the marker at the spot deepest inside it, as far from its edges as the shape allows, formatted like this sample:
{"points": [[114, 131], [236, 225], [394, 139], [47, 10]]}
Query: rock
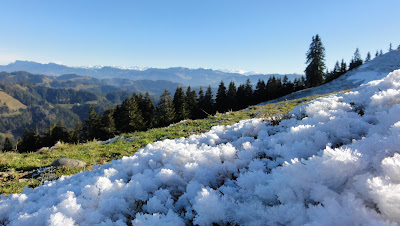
{"points": [[66, 162]]}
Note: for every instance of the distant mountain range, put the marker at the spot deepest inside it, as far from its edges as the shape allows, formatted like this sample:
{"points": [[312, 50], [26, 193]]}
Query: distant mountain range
{"points": [[180, 75]]}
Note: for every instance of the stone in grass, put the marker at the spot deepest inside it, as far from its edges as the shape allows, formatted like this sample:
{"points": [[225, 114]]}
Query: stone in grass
{"points": [[66, 162]]}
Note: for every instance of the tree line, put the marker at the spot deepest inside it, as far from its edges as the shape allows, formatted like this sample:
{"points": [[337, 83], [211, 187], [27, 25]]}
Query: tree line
{"points": [[139, 113], [315, 70]]}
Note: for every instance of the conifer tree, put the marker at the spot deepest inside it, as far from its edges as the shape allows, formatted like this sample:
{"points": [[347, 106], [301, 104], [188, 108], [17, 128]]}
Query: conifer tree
{"points": [[241, 97], [209, 105], [108, 129], [377, 53], [261, 91], [343, 67], [287, 86], [380, 53], [249, 92], [220, 100], [147, 110], [356, 61], [180, 106], [368, 58], [316, 65], [135, 118], [231, 96], [164, 112], [8, 146], [398, 47], [192, 103], [390, 47], [92, 125]]}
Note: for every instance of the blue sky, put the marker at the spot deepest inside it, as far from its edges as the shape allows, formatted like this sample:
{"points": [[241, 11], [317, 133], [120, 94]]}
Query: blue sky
{"points": [[262, 36]]}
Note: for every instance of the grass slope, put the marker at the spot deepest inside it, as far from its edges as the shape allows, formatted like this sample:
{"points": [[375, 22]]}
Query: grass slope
{"points": [[12, 103], [15, 167]]}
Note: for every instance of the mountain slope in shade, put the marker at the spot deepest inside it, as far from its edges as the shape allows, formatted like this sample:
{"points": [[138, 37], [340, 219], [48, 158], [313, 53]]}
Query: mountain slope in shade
{"points": [[333, 161], [185, 76]]}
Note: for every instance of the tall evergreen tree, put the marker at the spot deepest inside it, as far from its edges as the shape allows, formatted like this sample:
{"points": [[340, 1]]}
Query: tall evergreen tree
{"points": [[92, 125], [261, 91], [248, 88], [108, 128], [368, 58], [164, 112], [287, 86], [377, 53], [356, 61], [390, 47], [380, 53], [316, 65], [192, 103], [147, 110], [231, 96], [180, 106], [241, 97], [8, 146], [343, 67], [220, 100], [209, 104]]}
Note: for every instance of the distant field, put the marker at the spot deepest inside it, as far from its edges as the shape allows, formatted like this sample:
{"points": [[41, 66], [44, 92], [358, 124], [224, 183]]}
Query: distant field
{"points": [[12, 103]]}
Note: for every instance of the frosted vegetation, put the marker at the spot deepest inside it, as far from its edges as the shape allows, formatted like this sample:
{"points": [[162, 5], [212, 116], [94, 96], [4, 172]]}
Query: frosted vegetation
{"points": [[334, 161]]}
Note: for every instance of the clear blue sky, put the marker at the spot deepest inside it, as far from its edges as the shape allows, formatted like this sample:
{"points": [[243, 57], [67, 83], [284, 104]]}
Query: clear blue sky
{"points": [[262, 36]]}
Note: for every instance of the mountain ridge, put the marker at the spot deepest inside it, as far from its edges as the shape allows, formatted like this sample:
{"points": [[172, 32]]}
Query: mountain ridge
{"points": [[185, 76]]}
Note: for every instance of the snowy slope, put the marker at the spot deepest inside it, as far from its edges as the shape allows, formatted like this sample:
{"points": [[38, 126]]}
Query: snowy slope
{"points": [[375, 69], [335, 161]]}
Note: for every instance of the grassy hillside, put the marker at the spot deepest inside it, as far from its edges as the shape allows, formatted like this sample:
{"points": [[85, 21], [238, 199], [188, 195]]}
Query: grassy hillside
{"points": [[12, 103], [16, 169]]}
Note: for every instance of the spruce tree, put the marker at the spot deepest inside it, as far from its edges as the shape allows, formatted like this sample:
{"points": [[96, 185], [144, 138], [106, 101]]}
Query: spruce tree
{"points": [[164, 113], [192, 103], [316, 65], [147, 110], [181, 109], [380, 53], [356, 61], [261, 91], [220, 100], [231, 96], [343, 67], [248, 88], [368, 58], [377, 54], [390, 47], [92, 125], [135, 118], [108, 129], [8, 146], [209, 104], [241, 97]]}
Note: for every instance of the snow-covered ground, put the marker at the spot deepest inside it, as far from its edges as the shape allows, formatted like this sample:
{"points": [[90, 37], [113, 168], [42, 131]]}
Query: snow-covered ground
{"points": [[375, 69], [335, 161]]}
